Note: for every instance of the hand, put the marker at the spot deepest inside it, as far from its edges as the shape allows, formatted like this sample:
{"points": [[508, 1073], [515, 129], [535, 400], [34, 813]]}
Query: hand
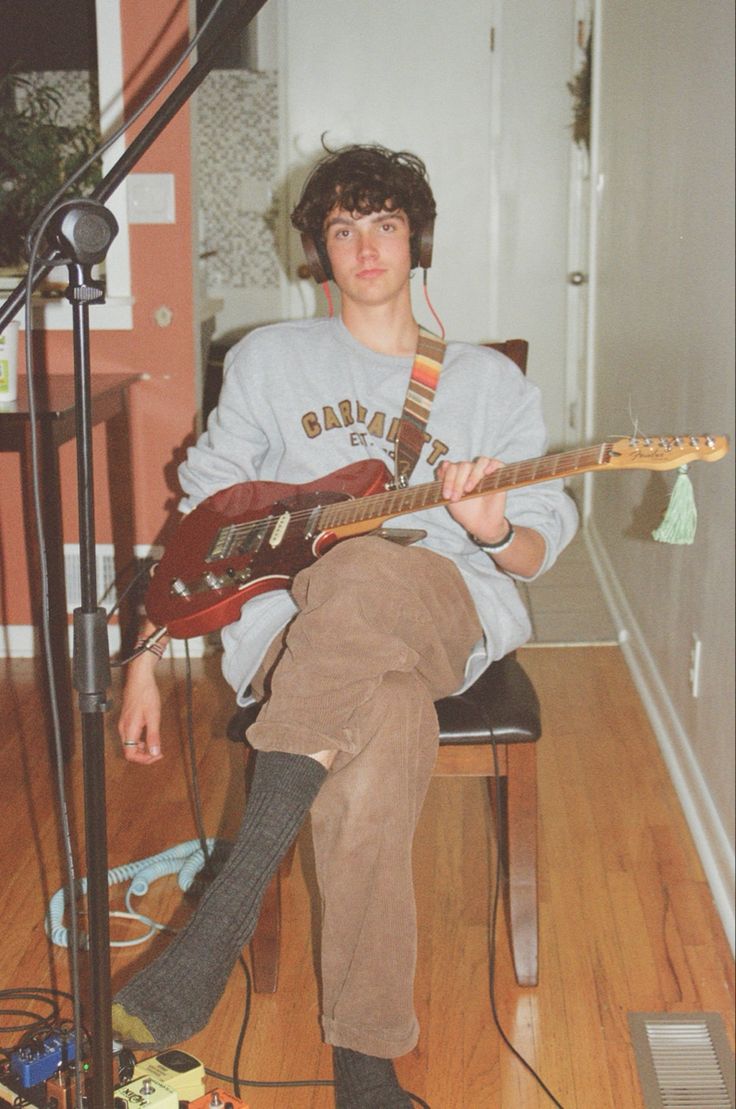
{"points": [[140, 716], [483, 517]]}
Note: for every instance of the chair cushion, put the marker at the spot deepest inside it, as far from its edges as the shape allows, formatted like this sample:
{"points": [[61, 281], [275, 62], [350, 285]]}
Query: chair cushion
{"points": [[502, 703]]}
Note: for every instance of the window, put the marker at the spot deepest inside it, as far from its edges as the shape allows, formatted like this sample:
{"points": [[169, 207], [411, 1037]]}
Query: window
{"points": [[72, 38]]}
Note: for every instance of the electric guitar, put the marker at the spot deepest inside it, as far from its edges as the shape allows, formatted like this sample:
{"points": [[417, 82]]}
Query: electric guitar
{"points": [[255, 536]]}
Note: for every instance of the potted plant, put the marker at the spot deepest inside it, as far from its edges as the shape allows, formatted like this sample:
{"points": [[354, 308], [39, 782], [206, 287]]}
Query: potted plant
{"points": [[38, 153]]}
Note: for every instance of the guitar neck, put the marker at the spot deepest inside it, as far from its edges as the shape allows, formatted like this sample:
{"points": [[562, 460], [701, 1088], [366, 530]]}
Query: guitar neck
{"points": [[345, 516]]}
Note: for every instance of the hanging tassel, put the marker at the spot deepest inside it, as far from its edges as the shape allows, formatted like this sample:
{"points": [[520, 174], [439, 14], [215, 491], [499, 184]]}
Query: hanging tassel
{"points": [[681, 518]]}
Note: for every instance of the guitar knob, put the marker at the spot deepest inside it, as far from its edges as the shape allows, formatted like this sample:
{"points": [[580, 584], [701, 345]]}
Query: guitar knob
{"points": [[180, 588]]}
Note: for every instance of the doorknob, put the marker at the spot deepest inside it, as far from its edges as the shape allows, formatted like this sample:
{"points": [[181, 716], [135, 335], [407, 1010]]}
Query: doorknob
{"points": [[576, 278]]}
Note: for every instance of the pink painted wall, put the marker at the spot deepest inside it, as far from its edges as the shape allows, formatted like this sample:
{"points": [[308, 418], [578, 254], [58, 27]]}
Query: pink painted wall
{"points": [[162, 407]]}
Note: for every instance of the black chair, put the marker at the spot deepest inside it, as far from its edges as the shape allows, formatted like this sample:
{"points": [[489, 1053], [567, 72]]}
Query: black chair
{"points": [[488, 731]]}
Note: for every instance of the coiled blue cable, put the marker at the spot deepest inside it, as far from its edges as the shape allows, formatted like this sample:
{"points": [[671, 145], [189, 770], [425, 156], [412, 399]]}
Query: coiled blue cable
{"points": [[186, 860]]}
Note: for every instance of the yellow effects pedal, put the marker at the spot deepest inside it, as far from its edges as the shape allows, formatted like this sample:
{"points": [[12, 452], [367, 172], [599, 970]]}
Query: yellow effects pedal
{"points": [[145, 1093], [176, 1069]]}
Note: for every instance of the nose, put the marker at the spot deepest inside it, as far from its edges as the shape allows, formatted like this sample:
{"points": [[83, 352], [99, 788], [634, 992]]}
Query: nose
{"points": [[366, 244]]}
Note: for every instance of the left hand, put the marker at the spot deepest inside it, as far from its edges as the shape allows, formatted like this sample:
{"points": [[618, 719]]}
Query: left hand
{"points": [[483, 517]]}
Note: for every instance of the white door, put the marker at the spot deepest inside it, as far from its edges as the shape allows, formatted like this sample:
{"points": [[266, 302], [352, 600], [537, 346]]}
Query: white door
{"points": [[578, 266], [536, 172]]}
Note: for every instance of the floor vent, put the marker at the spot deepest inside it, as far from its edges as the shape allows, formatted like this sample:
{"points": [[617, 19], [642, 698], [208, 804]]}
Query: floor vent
{"points": [[684, 1060]]}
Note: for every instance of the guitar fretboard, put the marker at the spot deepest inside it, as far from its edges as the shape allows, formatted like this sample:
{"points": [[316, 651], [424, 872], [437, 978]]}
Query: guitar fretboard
{"points": [[398, 502]]}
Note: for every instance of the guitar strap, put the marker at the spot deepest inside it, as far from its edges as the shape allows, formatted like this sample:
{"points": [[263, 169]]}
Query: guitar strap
{"points": [[417, 404]]}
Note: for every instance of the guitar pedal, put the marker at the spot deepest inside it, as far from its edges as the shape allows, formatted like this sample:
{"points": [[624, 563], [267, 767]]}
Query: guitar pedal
{"points": [[145, 1093], [61, 1091], [178, 1070], [218, 1099]]}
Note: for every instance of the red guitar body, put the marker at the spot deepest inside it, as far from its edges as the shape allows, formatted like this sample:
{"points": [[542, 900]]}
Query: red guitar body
{"points": [[246, 540]]}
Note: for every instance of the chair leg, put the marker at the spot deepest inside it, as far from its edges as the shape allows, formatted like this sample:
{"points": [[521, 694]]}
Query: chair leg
{"points": [[266, 940], [264, 944], [520, 823]]}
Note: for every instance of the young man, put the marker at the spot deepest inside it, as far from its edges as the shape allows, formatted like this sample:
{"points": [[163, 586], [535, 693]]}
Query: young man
{"points": [[349, 662]]}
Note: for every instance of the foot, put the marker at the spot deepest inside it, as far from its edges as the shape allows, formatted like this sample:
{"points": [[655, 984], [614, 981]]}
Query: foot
{"points": [[366, 1082], [174, 997], [131, 1032]]}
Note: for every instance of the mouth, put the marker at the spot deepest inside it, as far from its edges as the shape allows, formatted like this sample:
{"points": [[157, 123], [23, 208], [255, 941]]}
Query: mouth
{"points": [[374, 271]]}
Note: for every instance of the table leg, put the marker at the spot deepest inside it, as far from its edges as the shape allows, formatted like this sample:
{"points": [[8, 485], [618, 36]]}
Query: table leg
{"points": [[120, 481], [54, 546]]}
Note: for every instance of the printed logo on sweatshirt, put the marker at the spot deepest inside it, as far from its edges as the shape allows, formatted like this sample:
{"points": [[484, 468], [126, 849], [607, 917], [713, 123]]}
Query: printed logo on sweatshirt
{"points": [[365, 428]]}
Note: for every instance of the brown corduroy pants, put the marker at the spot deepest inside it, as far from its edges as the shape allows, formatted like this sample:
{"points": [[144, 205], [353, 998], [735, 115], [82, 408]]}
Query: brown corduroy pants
{"points": [[382, 632]]}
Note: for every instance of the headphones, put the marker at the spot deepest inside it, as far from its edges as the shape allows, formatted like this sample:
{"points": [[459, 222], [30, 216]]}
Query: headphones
{"points": [[321, 270]]}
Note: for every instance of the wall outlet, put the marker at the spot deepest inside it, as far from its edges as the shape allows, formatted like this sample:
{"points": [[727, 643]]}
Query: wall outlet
{"points": [[696, 655]]}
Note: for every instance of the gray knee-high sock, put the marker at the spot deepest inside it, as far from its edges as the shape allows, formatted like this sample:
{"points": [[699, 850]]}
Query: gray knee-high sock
{"points": [[366, 1082], [173, 998]]}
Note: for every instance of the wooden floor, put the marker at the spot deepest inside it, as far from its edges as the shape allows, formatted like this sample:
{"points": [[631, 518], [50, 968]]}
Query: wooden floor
{"points": [[627, 921]]}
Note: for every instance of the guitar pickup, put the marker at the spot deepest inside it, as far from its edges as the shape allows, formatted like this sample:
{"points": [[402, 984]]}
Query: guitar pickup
{"points": [[279, 530]]}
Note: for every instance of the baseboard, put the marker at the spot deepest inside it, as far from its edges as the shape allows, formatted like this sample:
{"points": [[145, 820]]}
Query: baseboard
{"points": [[22, 641], [711, 841]]}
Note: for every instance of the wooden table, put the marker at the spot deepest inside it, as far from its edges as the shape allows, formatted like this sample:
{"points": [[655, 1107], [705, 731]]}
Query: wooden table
{"points": [[56, 424]]}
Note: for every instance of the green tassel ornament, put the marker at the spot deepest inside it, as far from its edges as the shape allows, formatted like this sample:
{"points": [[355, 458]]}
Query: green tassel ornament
{"points": [[681, 518]]}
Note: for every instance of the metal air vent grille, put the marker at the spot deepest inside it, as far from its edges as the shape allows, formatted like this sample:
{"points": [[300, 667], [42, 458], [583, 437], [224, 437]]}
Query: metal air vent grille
{"points": [[684, 1060]]}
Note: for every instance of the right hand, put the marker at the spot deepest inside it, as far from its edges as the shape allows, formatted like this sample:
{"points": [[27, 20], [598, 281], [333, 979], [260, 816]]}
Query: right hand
{"points": [[140, 716]]}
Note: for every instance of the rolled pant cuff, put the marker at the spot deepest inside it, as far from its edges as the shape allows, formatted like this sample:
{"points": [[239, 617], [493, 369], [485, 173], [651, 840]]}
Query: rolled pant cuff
{"points": [[371, 1041]]}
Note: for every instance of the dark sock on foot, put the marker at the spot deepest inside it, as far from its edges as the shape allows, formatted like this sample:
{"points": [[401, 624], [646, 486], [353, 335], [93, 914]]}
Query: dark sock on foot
{"points": [[173, 998], [366, 1082]]}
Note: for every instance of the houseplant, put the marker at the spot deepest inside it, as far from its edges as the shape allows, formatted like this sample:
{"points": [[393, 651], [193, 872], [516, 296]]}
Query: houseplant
{"points": [[38, 153]]}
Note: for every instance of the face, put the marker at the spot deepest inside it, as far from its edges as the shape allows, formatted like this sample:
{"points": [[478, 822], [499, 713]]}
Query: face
{"points": [[370, 254]]}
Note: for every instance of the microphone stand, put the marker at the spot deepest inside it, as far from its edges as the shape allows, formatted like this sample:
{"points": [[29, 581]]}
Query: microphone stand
{"points": [[80, 233]]}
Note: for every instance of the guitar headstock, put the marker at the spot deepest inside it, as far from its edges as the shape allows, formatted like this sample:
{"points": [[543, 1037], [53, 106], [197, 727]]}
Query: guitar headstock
{"points": [[664, 452]]}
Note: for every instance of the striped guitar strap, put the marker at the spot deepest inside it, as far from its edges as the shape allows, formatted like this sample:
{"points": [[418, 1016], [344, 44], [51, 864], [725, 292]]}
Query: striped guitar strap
{"points": [[417, 405]]}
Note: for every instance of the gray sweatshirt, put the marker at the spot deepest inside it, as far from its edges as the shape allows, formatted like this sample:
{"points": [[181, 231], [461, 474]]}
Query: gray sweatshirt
{"points": [[304, 398]]}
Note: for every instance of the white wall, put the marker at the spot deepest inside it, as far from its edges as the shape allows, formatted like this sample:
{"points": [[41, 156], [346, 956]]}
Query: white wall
{"points": [[494, 127], [664, 351], [414, 76]]}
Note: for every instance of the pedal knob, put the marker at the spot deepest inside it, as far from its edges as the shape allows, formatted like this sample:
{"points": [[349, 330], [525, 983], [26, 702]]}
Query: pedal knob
{"points": [[216, 1101]]}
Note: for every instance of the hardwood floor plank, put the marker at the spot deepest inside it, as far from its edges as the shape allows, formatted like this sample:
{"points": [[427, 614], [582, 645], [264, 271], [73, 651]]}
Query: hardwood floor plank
{"points": [[627, 921]]}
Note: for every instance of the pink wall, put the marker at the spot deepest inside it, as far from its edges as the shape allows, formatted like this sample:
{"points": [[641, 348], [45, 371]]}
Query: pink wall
{"points": [[163, 407]]}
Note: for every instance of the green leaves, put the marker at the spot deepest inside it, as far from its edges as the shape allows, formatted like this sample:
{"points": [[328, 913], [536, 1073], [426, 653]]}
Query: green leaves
{"points": [[38, 153]]}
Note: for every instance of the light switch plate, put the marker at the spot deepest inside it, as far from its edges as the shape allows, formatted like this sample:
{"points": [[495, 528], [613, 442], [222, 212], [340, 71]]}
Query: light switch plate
{"points": [[151, 198]]}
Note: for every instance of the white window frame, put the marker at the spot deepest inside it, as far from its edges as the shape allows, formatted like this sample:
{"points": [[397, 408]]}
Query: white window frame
{"points": [[117, 311]]}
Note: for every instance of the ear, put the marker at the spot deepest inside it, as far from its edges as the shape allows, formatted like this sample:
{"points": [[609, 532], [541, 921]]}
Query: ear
{"points": [[319, 271]]}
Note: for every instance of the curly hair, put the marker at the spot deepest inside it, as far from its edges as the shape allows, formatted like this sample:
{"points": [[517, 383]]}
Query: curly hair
{"points": [[366, 178]]}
